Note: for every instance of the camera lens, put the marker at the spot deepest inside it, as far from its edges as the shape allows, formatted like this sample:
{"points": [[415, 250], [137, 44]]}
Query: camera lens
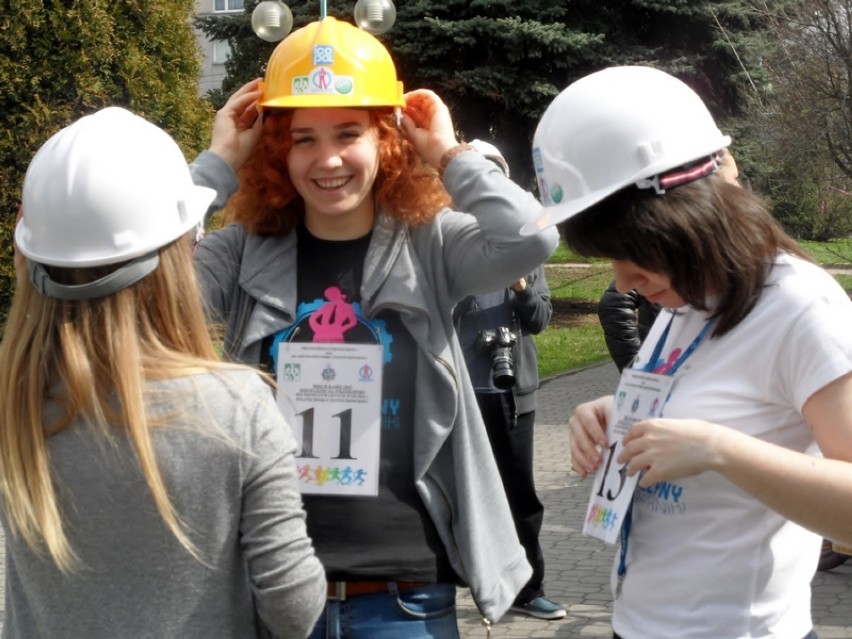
{"points": [[502, 368]]}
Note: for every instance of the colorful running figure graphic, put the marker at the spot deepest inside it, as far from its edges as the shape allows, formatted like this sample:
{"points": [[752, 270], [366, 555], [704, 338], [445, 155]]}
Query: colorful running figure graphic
{"points": [[322, 79], [334, 318]]}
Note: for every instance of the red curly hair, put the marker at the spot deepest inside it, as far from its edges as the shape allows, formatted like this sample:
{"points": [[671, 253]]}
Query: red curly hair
{"points": [[267, 203]]}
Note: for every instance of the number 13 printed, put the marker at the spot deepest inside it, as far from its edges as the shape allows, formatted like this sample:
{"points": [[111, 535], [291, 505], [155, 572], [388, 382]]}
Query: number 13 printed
{"points": [[618, 476]]}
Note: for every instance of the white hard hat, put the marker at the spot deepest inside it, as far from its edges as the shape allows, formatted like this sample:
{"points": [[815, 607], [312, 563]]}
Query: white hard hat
{"points": [[106, 189], [613, 128], [492, 153]]}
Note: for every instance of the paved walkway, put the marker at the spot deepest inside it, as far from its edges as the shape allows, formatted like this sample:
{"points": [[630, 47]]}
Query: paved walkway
{"points": [[578, 566]]}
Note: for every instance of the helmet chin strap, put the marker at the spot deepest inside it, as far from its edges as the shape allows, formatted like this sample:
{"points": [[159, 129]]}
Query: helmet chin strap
{"points": [[124, 276], [663, 181]]}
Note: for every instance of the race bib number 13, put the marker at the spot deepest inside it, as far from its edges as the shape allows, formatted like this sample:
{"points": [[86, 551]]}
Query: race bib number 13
{"points": [[639, 396]]}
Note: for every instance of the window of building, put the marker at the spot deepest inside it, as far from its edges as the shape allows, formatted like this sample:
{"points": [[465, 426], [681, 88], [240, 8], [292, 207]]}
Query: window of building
{"points": [[229, 5], [221, 51]]}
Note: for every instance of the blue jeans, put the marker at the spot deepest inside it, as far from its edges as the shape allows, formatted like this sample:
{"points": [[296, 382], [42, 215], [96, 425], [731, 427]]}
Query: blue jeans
{"points": [[426, 612]]}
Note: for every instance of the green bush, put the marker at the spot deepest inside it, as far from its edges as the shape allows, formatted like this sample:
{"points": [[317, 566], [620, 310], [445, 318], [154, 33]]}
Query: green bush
{"points": [[62, 60], [812, 203]]}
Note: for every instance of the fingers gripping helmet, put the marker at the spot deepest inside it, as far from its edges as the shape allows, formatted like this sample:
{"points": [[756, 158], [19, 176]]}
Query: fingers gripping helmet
{"points": [[330, 63], [110, 188], [613, 128]]}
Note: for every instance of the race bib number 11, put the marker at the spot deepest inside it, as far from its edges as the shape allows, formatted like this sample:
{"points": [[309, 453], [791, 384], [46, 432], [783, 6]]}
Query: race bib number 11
{"points": [[330, 395]]}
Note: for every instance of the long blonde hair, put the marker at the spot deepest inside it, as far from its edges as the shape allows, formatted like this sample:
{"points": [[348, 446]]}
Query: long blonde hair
{"points": [[92, 357]]}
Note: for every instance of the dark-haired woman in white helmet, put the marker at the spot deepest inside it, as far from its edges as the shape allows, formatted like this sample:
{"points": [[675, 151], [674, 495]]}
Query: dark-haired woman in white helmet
{"points": [[743, 382], [148, 489], [344, 247]]}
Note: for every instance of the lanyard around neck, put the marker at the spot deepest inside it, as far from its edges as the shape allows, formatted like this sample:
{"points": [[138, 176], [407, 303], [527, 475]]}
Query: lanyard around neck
{"points": [[666, 368], [654, 364]]}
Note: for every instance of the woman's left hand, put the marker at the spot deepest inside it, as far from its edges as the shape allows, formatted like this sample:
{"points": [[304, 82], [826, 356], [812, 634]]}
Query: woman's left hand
{"points": [[426, 120], [668, 449]]}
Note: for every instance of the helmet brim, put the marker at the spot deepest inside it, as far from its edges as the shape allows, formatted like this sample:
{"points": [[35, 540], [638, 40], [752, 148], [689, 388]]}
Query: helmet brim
{"points": [[556, 213], [333, 101], [197, 201]]}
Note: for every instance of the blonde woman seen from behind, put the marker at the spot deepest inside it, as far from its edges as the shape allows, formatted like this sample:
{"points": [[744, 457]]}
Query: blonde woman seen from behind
{"points": [[147, 488]]}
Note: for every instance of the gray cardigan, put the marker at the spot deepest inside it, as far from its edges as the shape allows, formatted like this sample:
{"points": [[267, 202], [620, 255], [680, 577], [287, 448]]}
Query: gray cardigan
{"points": [[249, 283], [226, 456]]}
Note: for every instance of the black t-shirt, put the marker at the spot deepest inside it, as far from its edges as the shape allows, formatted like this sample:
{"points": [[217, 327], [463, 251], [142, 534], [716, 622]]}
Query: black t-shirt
{"points": [[389, 536]]}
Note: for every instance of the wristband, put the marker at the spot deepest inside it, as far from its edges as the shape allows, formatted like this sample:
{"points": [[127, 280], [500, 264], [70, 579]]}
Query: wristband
{"points": [[452, 152]]}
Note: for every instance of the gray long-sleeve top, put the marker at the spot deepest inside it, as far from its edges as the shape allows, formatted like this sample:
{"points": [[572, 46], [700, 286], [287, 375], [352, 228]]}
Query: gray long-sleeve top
{"points": [[226, 456]]}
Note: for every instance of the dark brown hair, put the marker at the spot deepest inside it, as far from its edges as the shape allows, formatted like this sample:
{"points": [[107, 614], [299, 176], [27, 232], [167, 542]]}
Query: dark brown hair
{"points": [[708, 235]]}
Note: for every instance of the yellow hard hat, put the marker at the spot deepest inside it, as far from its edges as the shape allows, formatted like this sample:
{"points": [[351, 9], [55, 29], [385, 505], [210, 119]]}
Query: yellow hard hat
{"points": [[330, 63]]}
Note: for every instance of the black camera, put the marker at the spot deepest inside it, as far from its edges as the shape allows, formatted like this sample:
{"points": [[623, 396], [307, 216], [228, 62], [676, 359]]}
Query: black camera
{"points": [[499, 342]]}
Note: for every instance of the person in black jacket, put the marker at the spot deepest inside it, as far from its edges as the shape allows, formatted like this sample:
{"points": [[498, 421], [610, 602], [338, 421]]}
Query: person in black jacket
{"points": [[625, 319]]}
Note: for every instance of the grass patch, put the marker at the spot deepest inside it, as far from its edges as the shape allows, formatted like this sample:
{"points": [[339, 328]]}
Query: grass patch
{"points": [[579, 283], [831, 252], [562, 255], [566, 348], [575, 339]]}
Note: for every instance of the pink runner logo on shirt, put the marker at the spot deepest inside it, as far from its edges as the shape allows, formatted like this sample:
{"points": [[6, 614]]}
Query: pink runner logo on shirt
{"points": [[331, 321], [664, 367]]}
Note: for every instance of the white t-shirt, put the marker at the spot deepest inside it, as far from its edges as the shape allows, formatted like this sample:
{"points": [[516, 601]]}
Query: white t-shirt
{"points": [[705, 559]]}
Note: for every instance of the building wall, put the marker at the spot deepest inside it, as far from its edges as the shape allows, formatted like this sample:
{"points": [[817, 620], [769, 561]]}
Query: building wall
{"points": [[213, 54]]}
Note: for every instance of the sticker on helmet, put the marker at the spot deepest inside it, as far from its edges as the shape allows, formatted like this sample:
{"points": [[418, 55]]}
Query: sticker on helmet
{"points": [[323, 54], [343, 84], [322, 81], [549, 194], [539, 165], [543, 190], [556, 193]]}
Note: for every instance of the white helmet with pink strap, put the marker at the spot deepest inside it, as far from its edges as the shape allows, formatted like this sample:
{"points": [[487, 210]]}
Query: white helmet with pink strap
{"points": [[618, 127]]}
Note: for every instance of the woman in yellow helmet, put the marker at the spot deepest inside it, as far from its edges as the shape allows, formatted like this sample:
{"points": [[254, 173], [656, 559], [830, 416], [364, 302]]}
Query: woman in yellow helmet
{"points": [[341, 212]]}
